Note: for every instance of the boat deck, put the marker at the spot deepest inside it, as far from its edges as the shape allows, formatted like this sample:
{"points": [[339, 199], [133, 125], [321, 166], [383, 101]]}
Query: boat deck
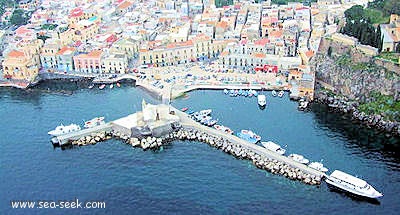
{"points": [[63, 139]]}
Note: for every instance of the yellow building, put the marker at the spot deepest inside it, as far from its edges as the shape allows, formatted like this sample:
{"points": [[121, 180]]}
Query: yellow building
{"points": [[20, 65], [129, 46], [115, 63], [198, 48], [66, 35]]}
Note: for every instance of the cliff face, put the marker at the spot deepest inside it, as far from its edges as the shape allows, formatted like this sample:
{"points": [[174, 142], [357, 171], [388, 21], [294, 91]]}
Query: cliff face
{"points": [[353, 74]]}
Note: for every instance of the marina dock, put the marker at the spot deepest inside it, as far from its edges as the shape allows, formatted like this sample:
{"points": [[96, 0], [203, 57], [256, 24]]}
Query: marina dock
{"points": [[65, 139], [160, 124]]}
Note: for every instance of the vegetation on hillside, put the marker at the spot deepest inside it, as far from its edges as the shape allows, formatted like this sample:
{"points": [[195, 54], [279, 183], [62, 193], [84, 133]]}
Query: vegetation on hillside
{"points": [[19, 17], [359, 25], [382, 104], [387, 7], [221, 3]]}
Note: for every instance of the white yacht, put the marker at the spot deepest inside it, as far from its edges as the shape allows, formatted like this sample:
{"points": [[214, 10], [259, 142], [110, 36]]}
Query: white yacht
{"points": [[352, 184], [274, 93], [262, 100], [281, 93], [205, 112], [64, 129], [299, 158], [94, 122], [273, 147], [318, 166]]}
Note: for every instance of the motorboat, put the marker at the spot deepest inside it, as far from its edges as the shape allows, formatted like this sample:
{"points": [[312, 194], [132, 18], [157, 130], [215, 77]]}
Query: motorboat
{"points": [[226, 91], [205, 112], [64, 129], [91, 86], [184, 109], [223, 128], [111, 86], [118, 84], [262, 100], [102, 86], [318, 166], [354, 185], [254, 92], [274, 93], [273, 147], [94, 122], [299, 158], [302, 105], [212, 122], [249, 136], [281, 93]]}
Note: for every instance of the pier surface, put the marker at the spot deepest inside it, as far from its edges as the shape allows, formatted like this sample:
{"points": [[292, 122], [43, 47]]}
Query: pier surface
{"points": [[63, 139], [187, 122]]}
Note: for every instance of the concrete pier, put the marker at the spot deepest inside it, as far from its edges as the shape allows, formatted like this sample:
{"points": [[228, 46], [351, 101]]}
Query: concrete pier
{"points": [[160, 124], [64, 139], [188, 123]]}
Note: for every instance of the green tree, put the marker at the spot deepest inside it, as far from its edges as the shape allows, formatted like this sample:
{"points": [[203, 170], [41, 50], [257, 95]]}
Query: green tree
{"points": [[398, 48], [19, 17]]}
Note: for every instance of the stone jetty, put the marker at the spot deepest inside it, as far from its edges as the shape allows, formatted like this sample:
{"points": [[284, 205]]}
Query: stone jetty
{"points": [[152, 143]]}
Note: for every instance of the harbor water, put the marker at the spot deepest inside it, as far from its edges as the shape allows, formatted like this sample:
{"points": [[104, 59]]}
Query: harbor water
{"points": [[184, 177]]}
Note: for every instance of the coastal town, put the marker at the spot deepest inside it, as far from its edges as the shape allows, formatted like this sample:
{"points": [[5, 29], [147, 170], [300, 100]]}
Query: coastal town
{"points": [[313, 52], [174, 45]]}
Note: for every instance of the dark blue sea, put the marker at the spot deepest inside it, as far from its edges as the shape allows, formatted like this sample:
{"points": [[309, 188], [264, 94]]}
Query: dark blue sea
{"points": [[184, 177]]}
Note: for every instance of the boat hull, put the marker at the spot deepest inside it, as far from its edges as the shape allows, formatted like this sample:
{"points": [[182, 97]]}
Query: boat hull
{"points": [[334, 186]]}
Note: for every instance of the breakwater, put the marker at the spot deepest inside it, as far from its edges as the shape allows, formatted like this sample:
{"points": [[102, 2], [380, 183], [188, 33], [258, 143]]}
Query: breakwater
{"points": [[237, 150], [343, 105]]}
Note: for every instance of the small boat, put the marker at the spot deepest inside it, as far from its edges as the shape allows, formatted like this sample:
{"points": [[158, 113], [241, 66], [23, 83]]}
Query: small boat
{"points": [[274, 93], [318, 166], [273, 147], [64, 129], [118, 84], [281, 93], [354, 185], [302, 104], [299, 158], [91, 86], [245, 93], [184, 109], [249, 136], [111, 86], [94, 122], [226, 91], [223, 128], [240, 92], [254, 93], [102, 86], [262, 100], [205, 112], [212, 122]]}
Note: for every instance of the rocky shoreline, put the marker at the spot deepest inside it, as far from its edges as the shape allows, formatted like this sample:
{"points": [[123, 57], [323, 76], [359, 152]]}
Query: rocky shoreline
{"points": [[342, 104], [271, 165]]}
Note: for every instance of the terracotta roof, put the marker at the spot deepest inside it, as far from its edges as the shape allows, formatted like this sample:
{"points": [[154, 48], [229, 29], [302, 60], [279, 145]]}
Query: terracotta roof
{"points": [[222, 24], [95, 53], [259, 55], [76, 12], [65, 50], [125, 5], [276, 34], [262, 42], [309, 53], [15, 54]]}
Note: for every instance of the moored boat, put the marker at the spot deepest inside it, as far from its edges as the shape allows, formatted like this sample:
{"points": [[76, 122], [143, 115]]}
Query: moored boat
{"points": [[274, 93], [249, 136], [64, 129], [223, 128], [273, 147], [226, 91], [118, 84], [318, 166], [349, 183], [91, 86], [94, 122], [205, 112], [111, 86], [299, 158], [281, 93], [184, 109], [102, 86], [262, 100]]}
